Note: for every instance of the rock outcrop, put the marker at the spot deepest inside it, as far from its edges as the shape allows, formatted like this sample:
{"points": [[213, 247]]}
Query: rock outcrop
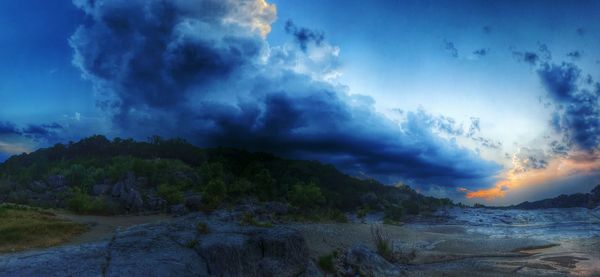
{"points": [[178, 248]]}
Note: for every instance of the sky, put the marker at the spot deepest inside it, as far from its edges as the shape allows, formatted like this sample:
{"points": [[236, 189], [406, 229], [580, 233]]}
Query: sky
{"points": [[494, 102]]}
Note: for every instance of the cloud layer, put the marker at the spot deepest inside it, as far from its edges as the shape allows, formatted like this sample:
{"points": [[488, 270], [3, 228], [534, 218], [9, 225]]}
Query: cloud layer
{"points": [[576, 109], [206, 73]]}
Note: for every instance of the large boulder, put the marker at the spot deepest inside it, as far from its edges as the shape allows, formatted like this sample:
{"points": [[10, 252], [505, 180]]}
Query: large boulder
{"points": [[155, 203], [127, 193], [120, 188], [178, 210], [100, 189], [284, 252], [134, 200], [278, 208], [57, 181], [230, 254], [38, 186], [193, 202]]}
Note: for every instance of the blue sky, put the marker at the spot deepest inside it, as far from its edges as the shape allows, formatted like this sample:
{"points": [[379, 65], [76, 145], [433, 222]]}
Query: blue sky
{"points": [[456, 98]]}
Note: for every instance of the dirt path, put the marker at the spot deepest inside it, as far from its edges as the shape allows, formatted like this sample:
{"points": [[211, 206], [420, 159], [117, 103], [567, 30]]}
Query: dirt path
{"points": [[103, 227]]}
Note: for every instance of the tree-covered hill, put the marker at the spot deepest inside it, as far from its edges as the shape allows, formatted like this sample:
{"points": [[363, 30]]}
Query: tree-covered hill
{"points": [[584, 200], [97, 175]]}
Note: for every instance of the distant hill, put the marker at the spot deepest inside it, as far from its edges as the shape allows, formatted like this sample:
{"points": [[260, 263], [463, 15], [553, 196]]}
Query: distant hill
{"points": [[585, 200], [98, 175]]}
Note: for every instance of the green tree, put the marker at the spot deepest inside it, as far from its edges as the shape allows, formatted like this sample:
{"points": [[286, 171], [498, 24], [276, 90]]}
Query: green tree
{"points": [[306, 196]]}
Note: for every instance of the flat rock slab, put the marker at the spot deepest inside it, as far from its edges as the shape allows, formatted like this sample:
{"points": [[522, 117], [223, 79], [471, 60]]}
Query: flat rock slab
{"points": [[175, 248], [81, 260]]}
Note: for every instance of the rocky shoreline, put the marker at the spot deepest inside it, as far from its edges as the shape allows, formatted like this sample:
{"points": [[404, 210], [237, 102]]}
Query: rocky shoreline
{"points": [[194, 245], [221, 244]]}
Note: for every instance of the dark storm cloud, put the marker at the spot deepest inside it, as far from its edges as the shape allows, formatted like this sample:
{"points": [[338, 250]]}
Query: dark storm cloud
{"points": [[487, 143], [544, 51], [473, 132], [181, 70], [8, 128], [475, 126], [487, 29], [304, 36], [527, 57], [577, 110], [42, 131], [559, 148], [443, 124], [481, 52], [147, 54], [450, 48], [527, 159], [319, 124], [575, 55], [533, 57]]}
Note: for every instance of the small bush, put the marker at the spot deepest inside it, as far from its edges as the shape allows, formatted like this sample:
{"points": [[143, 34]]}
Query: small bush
{"points": [[202, 228], [362, 212], [81, 202], [336, 216], [382, 242], [411, 207], [327, 262], [306, 196], [215, 192], [249, 220], [170, 193], [191, 243], [394, 213]]}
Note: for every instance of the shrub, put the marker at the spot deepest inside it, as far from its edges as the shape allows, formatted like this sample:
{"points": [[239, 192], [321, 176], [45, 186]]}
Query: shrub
{"points": [[394, 213], [337, 216], [382, 242], [362, 212], [215, 192], [327, 262], [411, 207], [81, 202], [306, 196], [202, 228], [170, 193], [249, 220], [191, 243]]}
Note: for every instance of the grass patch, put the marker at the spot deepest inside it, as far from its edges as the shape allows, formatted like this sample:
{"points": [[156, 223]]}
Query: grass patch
{"points": [[191, 244], [202, 228], [382, 242], [249, 220], [23, 228]]}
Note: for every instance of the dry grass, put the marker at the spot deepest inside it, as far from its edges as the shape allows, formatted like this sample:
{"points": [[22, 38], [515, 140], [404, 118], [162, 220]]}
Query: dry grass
{"points": [[382, 242], [23, 228]]}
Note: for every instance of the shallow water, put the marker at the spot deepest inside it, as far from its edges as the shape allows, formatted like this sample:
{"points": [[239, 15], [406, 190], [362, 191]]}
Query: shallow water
{"points": [[572, 237], [550, 224]]}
